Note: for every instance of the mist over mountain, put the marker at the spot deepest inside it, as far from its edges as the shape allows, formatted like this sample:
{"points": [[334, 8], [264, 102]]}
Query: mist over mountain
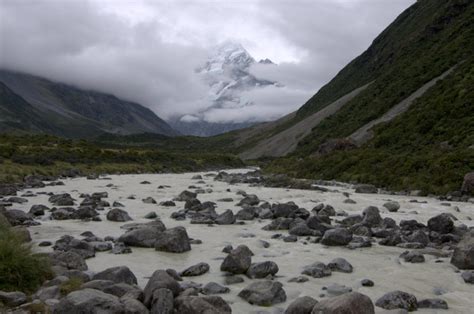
{"points": [[227, 73]]}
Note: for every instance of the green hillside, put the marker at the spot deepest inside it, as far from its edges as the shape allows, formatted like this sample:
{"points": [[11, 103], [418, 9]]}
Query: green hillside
{"points": [[429, 147]]}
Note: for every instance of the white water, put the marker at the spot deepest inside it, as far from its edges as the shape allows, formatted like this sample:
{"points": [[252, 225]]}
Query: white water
{"points": [[380, 264]]}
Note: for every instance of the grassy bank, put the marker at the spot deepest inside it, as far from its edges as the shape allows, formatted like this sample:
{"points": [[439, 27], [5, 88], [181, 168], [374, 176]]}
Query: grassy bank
{"points": [[22, 155]]}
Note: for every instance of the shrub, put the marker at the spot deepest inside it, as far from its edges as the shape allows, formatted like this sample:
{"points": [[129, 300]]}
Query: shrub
{"points": [[20, 268]]}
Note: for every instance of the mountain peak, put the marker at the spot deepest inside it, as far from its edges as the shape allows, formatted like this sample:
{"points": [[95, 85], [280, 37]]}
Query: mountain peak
{"points": [[265, 61]]}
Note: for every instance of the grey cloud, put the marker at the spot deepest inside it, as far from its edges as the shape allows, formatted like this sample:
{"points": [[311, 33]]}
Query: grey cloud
{"points": [[149, 54]]}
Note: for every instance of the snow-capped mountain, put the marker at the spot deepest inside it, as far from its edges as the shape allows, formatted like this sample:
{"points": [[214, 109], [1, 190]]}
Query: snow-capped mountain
{"points": [[226, 72]]}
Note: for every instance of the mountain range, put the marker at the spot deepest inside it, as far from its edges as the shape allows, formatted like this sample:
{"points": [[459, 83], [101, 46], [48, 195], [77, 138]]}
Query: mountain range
{"points": [[32, 104]]}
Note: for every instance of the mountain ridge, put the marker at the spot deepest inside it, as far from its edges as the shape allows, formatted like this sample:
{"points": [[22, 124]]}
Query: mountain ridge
{"points": [[69, 111]]}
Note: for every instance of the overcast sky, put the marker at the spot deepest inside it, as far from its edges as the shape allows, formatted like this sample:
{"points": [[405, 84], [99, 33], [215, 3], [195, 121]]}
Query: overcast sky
{"points": [[146, 51]]}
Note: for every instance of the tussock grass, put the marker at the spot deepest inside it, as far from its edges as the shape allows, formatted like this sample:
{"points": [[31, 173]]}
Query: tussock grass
{"points": [[20, 268]]}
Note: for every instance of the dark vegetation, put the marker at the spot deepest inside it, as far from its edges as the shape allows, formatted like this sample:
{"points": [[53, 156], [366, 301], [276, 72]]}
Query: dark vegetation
{"points": [[429, 147], [22, 155], [20, 268]]}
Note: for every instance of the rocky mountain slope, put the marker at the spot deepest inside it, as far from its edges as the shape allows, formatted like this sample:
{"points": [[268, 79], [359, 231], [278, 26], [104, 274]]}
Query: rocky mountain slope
{"points": [[34, 104], [413, 124], [227, 73]]}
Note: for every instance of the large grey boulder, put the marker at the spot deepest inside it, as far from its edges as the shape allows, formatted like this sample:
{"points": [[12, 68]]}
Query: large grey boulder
{"points": [[196, 270], [64, 199], [348, 303], [202, 305], [38, 210], [214, 288], [117, 214], [397, 300], [17, 217], [68, 243], [226, 218], [68, 260], [302, 305], [162, 301], [317, 270], [89, 301], [392, 206], [340, 264], [238, 260], [262, 270], [186, 196], [336, 237], [141, 237], [441, 223], [159, 279], [371, 217], [174, 240], [12, 299], [133, 306], [117, 274], [264, 293], [463, 255]]}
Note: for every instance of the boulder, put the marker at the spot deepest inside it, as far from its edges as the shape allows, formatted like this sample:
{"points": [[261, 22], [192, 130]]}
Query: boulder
{"points": [[133, 306], [468, 183], [64, 199], [160, 279], [397, 300], [468, 276], [63, 213], [302, 305], [149, 200], [463, 255], [68, 260], [432, 304], [121, 248], [196, 270], [89, 301], [38, 210], [348, 303], [238, 260], [174, 240], [12, 299], [441, 223], [18, 217], [117, 274], [247, 213], [262, 270], [249, 200], [186, 195], [371, 217], [317, 270], [202, 305], [336, 237], [226, 218], [118, 214], [85, 212], [162, 301], [68, 243], [337, 289], [366, 188], [283, 210], [340, 264], [264, 293], [412, 257], [214, 288], [392, 206], [141, 237]]}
